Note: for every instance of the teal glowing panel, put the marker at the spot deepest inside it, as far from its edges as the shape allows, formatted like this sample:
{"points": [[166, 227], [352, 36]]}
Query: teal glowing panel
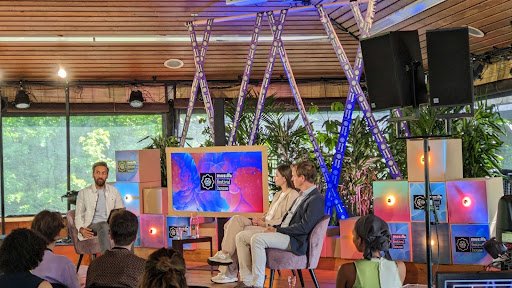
{"points": [[417, 201]]}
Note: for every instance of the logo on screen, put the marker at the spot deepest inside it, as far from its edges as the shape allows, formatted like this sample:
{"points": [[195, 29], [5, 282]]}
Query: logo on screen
{"points": [[207, 181]]}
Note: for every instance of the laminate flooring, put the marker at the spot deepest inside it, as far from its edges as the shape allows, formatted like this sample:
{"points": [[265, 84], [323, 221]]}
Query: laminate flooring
{"points": [[199, 274]]}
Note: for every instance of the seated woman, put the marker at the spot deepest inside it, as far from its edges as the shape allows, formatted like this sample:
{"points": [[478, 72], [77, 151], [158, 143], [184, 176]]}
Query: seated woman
{"points": [[372, 237], [281, 203], [55, 269], [21, 251]]}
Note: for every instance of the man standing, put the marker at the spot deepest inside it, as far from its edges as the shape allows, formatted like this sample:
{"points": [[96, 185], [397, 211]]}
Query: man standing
{"points": [[118, 267], [291, 235], [93, 205]]}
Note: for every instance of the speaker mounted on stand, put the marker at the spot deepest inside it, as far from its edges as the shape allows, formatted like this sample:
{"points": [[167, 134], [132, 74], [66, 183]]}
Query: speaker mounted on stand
{"points": [[393, 70]]}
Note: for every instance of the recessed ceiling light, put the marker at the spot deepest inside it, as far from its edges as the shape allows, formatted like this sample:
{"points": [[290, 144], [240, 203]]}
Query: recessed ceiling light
{"points": [[173, 63], [62, 73], [475, 32]]}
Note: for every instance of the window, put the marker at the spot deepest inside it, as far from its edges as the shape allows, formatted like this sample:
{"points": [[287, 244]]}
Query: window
{"points": [[35, 155]]}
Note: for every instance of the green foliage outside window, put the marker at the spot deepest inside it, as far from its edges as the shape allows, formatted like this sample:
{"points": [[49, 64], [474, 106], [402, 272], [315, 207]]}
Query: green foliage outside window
{"points": [[35, 155]]}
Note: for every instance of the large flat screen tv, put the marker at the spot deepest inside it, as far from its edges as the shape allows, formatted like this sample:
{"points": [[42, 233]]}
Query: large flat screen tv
{"points": [[217, 181]]}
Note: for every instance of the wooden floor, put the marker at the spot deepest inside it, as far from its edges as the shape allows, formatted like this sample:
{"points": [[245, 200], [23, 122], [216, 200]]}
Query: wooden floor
{"points": [[198, 272]]}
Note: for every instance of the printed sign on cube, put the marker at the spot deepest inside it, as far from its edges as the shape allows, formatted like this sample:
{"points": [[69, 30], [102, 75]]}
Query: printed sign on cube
{"points": [[400, 241], [391, 200], [467, 242], [138, 166], [175, 226], [417, 201]]}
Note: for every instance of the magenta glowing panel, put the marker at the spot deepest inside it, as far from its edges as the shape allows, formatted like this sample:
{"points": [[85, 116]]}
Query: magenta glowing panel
{"points": [[467, 201], [391, 200], [153, 231], [218, 181]]}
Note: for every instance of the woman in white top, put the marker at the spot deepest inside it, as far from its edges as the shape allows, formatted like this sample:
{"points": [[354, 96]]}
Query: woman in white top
{"points": [[281, 203]]}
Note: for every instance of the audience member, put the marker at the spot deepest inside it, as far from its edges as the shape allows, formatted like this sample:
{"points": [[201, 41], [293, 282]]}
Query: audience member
{"points": [[94, 204], [372, 237], [292, 234], [281, 203], [118, 267], [55, 269], [21, 251], [164, 268]]}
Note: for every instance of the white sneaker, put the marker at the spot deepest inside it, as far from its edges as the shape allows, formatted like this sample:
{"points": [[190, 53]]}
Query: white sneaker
{"points": [[221, 257], [222, 279]]}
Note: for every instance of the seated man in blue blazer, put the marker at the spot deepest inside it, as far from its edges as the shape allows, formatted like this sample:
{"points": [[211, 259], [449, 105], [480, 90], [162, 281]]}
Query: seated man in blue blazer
{"points": [[291, 235]]}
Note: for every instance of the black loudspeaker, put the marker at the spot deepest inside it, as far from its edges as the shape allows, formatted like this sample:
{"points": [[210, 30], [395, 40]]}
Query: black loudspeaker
{"points": [[450, 74], [390, 62]]}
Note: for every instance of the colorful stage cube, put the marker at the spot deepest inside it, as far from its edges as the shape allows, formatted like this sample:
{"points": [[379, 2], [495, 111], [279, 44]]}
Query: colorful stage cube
{"points": [[130, 193], [172, 225], [474, 200], [467, 243], [439, 239], [400, 241], [417, 201], [138, 166], [155, 201], [153, 231], [391, 200], [348, 249], [331, 246], [445, 160]]}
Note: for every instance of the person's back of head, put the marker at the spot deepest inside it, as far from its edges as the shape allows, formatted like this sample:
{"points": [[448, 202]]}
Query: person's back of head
{"points": [[48, 224], [123, 227], [164, 268], [306, 169], [21, 251], [374, 234]]}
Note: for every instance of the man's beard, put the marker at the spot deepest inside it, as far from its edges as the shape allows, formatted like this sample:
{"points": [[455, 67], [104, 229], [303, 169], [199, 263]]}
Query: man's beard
{"points": [[99, 182]]}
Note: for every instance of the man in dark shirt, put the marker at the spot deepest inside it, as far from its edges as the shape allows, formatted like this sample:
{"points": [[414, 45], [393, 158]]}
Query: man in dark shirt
{"points": [[118, 267], [292, 234]]}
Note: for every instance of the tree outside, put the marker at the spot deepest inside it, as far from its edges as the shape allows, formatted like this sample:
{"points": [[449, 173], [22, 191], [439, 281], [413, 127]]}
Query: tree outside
{"points": [[35, 155]]}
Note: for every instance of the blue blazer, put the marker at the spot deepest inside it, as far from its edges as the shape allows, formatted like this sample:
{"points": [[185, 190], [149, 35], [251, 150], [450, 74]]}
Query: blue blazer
{"points": [[307, 215]]}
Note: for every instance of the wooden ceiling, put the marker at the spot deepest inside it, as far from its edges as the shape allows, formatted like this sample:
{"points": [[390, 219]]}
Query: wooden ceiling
{"points": [[39, 61]]}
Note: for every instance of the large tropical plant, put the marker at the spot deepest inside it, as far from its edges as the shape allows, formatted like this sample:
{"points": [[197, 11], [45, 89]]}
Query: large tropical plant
{"points": [[481, 141]]}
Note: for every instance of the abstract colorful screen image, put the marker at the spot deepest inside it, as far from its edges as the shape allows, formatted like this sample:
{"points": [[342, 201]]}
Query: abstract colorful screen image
{"points": [[218, 180]]}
